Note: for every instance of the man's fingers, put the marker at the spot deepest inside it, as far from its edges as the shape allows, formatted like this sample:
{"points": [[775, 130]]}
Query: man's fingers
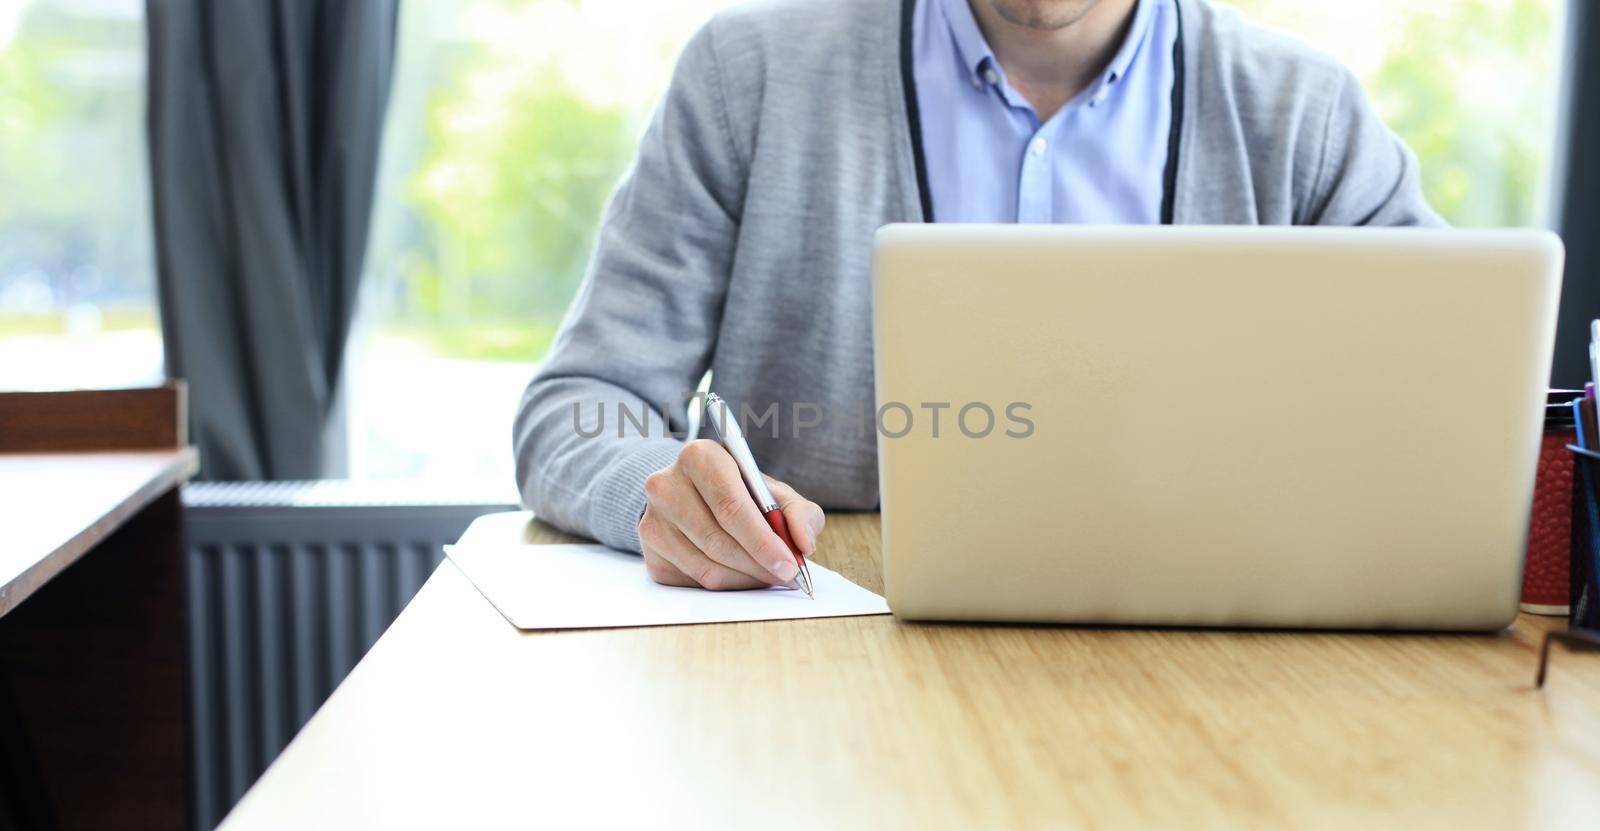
{"points": [[672, 560], [652, 535], [717, 479], [804, 517], [703, 528], [677, 503], [664, 572], [694, 521]]}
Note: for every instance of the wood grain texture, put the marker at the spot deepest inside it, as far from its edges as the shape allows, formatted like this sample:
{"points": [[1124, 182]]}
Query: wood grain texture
{"points": [[131, 419], [456, 719], [58, 506]]}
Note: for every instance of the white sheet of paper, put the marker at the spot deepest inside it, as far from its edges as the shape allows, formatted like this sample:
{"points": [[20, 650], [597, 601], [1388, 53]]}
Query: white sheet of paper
{"points": [[592, 586]]}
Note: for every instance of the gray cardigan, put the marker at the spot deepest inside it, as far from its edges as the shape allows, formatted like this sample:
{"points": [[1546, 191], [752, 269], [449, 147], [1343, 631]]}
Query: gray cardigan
{"points": [[740, 240]]}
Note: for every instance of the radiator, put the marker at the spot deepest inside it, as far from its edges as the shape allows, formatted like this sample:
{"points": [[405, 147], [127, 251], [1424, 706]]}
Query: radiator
{"points": [[289, 584]]}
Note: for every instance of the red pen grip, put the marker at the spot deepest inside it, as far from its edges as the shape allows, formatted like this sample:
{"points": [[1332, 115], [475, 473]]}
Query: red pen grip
{"points": [[781, 528]]}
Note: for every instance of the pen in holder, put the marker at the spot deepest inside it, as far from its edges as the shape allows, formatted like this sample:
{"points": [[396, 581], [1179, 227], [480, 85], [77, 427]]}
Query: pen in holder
{"points": [[1585, 572], [1583, 622]]}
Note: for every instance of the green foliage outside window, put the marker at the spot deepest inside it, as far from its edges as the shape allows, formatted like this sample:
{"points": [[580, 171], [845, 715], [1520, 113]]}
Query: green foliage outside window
{"points": [[502, 167], [1471, 98], [1469, 85], [73, 194], [511, 212]]}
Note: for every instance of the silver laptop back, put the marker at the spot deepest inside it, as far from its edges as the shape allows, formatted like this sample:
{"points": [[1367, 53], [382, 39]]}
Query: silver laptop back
{"points": [[1210, 426]]}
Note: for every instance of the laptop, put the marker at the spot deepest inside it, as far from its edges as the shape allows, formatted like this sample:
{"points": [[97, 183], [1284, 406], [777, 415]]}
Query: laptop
{"points": [[1256, 427]]}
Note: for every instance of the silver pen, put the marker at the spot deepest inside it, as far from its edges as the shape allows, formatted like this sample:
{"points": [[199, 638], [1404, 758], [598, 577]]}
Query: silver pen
{"points": [[732, 438]]}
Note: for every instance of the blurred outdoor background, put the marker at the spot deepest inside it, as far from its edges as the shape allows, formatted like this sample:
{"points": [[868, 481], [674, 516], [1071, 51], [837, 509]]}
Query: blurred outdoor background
{"points": [[510, 123]]}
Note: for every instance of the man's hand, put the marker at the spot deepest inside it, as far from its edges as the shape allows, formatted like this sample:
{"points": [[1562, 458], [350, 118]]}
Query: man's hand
{"points": [[701, 527]]}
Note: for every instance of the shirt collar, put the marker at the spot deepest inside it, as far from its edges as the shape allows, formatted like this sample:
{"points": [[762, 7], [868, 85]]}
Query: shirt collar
{"points": [[976, 55], [1120, 62]]}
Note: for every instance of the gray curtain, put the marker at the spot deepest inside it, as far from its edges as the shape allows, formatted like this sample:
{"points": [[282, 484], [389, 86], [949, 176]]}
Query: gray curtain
{"points": [[264, 125], [1577, 185]]}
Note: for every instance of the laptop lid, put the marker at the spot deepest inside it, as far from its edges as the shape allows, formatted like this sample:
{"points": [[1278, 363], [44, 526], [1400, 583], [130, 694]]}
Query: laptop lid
{"points": [[1210, 426]]}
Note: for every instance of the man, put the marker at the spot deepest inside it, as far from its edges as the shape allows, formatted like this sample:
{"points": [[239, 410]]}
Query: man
{"points": [[740, 241]]}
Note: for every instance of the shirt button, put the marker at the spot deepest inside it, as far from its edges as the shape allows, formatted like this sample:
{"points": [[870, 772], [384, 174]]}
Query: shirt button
{"points": [[991, 76], [1037, 147]]}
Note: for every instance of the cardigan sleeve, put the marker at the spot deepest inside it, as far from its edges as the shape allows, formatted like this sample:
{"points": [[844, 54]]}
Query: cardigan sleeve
{"points": [[638, 337], [1367, 175]]}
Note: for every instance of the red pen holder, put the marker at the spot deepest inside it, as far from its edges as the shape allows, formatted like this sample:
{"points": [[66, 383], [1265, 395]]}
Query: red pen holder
{"points": [[1546, 577]]}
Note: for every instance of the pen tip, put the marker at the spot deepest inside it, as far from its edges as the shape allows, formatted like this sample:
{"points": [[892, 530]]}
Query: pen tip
{"points": [[803, 580]]}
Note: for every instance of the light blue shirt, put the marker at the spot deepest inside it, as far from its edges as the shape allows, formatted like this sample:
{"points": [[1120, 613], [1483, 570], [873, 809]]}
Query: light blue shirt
{"points": [[1100, 159]]}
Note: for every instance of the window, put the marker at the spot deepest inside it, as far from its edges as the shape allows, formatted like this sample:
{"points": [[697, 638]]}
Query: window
{"points": [[509, 125], [1471, 85], [77, 288], [511, 122]]}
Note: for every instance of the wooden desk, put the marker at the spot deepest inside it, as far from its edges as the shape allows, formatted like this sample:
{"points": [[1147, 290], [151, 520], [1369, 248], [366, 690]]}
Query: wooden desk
{"points": [[91, 609], [61, 505], [454, 719]]}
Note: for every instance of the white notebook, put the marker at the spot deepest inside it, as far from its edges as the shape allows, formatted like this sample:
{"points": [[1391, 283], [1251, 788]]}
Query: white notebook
{"points": [[591, 586]]}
